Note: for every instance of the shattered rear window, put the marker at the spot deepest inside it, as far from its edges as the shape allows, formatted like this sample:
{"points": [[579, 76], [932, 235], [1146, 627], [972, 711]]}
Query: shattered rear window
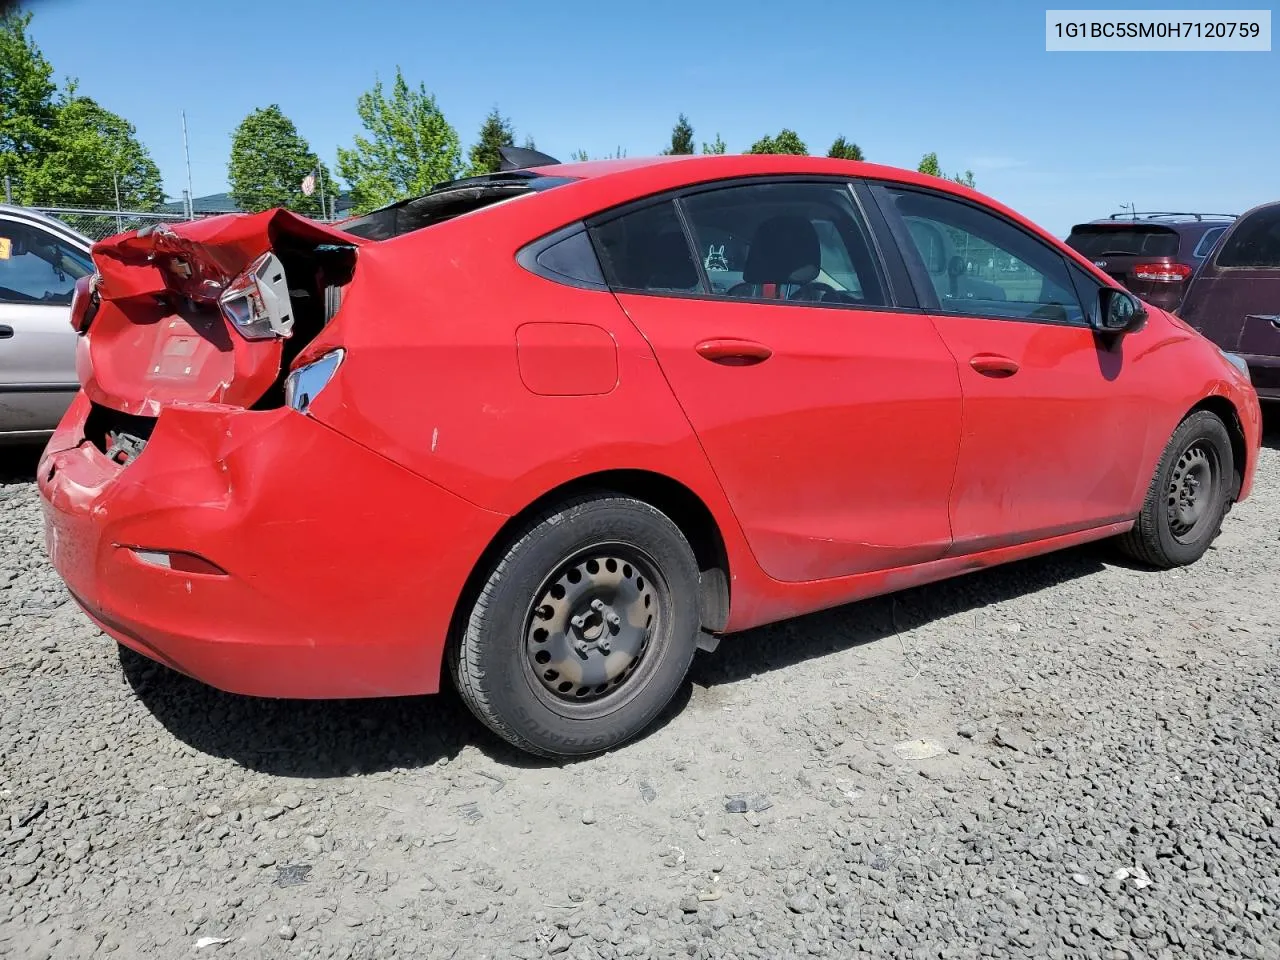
{"points": [[448, 200]]}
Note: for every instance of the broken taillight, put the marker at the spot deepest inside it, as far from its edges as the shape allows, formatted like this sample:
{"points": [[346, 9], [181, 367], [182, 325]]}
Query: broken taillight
{"points": [[84, 302], [257, 301]]}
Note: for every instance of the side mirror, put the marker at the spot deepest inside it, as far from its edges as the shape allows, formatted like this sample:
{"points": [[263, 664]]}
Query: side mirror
{"points": [[1118, 311]]}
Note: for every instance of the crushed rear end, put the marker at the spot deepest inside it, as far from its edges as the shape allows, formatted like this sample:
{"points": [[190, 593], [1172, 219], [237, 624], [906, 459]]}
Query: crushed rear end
{"points": [[196, 512]]}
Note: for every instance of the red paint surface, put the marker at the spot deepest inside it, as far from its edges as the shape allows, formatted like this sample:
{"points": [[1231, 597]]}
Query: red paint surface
{"points": [[851, 453]]}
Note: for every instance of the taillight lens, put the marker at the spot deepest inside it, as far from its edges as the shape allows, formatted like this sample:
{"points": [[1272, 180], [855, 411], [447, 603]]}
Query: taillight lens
{"points": [[257, 301], [1164, 272], [84, 302], [304, 384]]}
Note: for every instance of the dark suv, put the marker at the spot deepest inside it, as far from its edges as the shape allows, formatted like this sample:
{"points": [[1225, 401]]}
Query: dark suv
{"points": [[1234, 297], [1152, 254]]}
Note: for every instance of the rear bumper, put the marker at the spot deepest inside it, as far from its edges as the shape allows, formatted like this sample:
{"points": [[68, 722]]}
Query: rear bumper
{"points": [[341, 569]]}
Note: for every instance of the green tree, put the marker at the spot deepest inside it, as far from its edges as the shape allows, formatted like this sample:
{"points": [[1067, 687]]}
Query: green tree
{"points": [[843, 149], [579, 156], [681, 138], [269, 160], [716, 147], [495, 132], [410, 147], [92, 156], [929, 164], [787, 141], [26, 96]]}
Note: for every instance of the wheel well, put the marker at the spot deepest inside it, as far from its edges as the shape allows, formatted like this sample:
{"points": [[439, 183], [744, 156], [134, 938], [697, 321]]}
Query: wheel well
{"points": [[1225, 411], [684, 507]]}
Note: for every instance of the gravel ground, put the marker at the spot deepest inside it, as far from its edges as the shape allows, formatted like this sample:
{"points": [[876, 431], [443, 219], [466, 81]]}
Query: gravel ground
{"points": [[1065, 757]]}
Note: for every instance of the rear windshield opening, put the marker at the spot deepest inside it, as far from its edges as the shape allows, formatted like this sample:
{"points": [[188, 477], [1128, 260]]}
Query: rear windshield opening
{"points": [[448, 200], [1140, 240]]}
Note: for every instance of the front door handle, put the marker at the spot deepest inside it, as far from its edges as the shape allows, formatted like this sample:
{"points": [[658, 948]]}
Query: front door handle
{"points": [[1271, 318], [734, 353], [994, 365], [6, 331]]}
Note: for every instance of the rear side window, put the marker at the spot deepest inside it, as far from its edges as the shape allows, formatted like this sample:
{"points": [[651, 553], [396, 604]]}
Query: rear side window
{"points": [[646, 249], [1205, 246], [1104, 240], [1255, 241], [794, 242]]}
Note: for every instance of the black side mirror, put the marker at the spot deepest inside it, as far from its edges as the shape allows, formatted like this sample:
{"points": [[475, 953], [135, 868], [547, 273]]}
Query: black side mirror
{"points": [[1118, 311]]}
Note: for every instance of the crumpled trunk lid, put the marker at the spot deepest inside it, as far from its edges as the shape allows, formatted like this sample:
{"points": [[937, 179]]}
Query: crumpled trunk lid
{"points": [[168, 325]]}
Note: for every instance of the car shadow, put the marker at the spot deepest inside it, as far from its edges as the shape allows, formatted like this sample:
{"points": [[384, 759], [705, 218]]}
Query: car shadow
{"points": [[323, 739], [1271, 425], [18, 462]]}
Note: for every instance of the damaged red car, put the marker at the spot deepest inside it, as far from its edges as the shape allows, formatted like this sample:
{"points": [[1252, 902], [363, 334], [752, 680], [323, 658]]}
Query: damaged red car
{"points": [[552, 430]]}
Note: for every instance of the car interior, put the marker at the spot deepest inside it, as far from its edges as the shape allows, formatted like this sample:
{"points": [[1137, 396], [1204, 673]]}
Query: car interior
{"points": [[36, 267]]}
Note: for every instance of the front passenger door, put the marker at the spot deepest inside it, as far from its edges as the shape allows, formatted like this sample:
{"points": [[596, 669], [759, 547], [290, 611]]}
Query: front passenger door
{"points": [[1055, 419]]}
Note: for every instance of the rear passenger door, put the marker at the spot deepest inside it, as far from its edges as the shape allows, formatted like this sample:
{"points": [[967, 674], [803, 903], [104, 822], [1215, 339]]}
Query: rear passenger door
{"points": [[831, 418], [1055, 419]]}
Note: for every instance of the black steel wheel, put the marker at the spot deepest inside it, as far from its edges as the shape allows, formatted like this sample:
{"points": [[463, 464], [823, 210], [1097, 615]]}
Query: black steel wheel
{"points": [[1188, 497], [583, 631]]}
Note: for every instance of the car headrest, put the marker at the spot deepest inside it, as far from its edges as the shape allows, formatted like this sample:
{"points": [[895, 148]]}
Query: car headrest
{"points": [[670, 263], [785, 249]]}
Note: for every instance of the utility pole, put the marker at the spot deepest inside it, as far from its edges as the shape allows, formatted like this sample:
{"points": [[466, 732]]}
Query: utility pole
{"points": [[186, 150], [115, 178], [320, 180]]}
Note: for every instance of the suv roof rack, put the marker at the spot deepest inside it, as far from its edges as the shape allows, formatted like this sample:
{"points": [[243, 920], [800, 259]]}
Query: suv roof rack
{"points": [[1152, 215]]}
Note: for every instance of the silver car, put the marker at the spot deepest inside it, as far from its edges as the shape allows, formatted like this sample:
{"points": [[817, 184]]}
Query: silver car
{"points": [[40, 261]]}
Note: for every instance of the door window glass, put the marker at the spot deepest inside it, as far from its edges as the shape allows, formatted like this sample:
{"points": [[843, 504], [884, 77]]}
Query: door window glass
{"points": [[796, 242], [981, 264], [37, 267]]}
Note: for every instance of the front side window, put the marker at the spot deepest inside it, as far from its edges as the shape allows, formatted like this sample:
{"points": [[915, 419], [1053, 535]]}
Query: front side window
{"points": [[798, 242], [37, 267], [983, 265], [1255, 241]]}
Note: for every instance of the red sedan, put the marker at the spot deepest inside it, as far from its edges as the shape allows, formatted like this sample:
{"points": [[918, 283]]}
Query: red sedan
{"points": [[556, 428]]}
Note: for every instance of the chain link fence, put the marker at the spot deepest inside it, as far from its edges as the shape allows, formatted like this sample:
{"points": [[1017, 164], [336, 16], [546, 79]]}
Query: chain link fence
{"points": [[108, 217]]}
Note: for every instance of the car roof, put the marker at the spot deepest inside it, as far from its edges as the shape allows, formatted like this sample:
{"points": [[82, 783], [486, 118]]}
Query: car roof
{"points": [[638, 176], [1162, 219], [36, 218]]}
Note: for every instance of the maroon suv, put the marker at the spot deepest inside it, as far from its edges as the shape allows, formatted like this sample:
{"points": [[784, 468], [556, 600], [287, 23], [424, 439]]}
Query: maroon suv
{"points": [[1234, 297], [1152, 254]]}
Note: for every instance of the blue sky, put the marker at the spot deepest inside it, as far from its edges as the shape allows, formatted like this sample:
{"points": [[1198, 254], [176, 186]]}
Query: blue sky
{"points": [[1059, 136]]}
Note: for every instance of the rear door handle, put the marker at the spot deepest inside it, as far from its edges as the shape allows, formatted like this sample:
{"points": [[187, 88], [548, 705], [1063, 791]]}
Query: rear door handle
{"points": [[1271, 318], [994, 365], [6, 331], [733, 353]]}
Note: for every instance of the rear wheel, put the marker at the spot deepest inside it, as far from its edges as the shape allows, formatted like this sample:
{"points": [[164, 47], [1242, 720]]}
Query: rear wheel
{"points": [[584, 630], [1188, 497]]}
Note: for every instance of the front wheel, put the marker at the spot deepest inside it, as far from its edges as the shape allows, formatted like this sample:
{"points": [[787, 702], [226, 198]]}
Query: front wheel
{"points": [[1188, 497], [583, 630]]}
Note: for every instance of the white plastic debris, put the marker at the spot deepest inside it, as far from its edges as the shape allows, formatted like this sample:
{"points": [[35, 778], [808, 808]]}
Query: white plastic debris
{"points": [[919, 749], [211, 942]]}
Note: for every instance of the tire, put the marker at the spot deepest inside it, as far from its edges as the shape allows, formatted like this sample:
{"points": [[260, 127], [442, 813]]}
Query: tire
{"points": [[556, 686], [1188, 497]]}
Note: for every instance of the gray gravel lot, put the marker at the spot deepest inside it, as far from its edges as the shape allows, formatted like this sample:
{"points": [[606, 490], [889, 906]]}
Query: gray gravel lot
{"points": [[1065, 757]]}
